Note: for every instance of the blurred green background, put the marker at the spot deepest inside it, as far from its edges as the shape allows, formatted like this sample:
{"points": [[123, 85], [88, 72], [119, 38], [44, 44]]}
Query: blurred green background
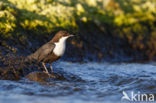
{"points": [[130, 20]]}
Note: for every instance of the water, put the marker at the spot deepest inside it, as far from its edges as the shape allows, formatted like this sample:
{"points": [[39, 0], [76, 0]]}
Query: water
{"points": [[100, 83]]}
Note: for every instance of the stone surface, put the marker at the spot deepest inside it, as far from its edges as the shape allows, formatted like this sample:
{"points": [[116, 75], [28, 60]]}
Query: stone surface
{"points": [[40, 76]]}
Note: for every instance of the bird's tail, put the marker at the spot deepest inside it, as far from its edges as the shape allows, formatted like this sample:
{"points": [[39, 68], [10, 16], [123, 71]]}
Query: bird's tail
{"points": [[30, 58]]}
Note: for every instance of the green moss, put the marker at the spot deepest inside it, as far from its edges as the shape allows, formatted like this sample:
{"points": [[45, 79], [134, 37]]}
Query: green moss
{"points": [[130, 18], [45, 15], [7, 19]]}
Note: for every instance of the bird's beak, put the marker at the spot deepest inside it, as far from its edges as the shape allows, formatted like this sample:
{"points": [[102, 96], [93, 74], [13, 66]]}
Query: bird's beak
{"points": [[71, 35]]}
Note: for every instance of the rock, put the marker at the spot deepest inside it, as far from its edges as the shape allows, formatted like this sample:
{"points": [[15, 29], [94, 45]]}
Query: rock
{"points": [[57, 75], [1, 69], [9, 75], [40, 76]]}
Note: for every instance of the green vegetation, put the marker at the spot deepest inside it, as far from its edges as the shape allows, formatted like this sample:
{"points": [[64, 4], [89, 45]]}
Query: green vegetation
{"points": [[132, 20]]}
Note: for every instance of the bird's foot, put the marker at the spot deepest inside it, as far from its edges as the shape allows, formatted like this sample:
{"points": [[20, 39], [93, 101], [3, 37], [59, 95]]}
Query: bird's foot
{"points": [[47, 73], [51, 75]]}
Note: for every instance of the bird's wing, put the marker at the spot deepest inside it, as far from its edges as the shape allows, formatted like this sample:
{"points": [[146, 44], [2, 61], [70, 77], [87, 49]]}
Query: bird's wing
{"points": [[44, 51]]}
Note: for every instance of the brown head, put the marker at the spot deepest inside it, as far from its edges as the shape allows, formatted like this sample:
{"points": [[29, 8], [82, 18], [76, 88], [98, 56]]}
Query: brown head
{"points": [[61, 34]]}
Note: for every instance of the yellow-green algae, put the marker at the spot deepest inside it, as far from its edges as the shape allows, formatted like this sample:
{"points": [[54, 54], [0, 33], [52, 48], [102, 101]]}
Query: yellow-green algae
{"points": [[134, 20], [50, 14]]}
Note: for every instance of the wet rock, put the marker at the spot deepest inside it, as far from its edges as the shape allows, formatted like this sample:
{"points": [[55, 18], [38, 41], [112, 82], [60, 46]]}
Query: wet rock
{"points": [[9, 75], [1, 70], [40, 76], [57, 75]]}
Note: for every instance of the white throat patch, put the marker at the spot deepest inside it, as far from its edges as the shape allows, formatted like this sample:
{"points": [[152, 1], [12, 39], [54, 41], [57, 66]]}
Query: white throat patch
{"points": [[60, 46]]}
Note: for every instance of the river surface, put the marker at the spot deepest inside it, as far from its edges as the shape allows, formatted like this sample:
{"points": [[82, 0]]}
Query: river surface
{"points": [[97, 83]]}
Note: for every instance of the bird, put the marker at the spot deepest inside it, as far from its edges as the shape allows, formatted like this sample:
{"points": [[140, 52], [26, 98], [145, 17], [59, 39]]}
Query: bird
{"points": [[51, 51]]}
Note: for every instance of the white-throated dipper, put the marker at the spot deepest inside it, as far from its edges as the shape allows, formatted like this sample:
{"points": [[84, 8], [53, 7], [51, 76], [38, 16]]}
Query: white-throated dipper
{"points": [[51, 51]]}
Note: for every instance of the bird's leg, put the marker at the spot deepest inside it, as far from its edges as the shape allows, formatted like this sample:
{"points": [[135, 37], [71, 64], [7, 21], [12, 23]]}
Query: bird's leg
{"points": [[51, 68], [45, 67]]}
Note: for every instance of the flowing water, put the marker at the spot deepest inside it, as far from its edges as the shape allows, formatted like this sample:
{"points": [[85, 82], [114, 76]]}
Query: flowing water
{"points": [[97, 83]]}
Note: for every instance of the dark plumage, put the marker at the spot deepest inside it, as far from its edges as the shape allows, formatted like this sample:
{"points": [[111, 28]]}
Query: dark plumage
{"points": [[42, 53]]}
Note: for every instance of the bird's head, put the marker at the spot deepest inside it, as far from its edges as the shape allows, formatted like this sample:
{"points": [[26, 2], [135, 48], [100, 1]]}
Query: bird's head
{"points": [[61, 35]]}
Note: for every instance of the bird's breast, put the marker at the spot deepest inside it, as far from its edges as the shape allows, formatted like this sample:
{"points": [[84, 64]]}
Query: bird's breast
{"points": [[59, 49]]}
